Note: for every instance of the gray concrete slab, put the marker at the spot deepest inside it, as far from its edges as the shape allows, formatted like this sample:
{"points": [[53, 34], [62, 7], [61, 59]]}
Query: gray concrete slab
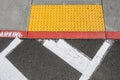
{"points": [[14, 14], [66, 1], [38, 63], [112, 14]]}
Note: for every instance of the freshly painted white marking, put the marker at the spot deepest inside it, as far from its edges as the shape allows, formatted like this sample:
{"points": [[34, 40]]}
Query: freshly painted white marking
{"points": [[76, 59], [10, 47], [7, 70], [10, 34], [68, 54], [39, 40], [93, 65], [74, 52]]}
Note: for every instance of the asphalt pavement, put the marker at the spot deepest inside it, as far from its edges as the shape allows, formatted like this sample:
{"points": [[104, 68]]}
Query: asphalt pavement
{"points": [[38, 63]]}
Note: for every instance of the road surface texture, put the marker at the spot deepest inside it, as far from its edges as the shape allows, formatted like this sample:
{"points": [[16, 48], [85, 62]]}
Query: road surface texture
{"points": [[36, 62]]}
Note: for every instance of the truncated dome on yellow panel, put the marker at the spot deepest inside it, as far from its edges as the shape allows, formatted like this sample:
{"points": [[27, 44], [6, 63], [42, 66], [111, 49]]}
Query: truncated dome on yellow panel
{"points": [[66, 18]]}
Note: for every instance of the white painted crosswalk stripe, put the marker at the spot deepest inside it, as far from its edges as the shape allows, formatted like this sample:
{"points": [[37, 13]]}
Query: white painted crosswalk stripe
{"points": [[68, 54], [7, 70], [76, 59], [10, 47], [95, 62]]}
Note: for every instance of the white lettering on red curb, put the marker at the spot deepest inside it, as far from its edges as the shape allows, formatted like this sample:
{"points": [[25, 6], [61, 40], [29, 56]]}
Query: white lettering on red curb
{"points": [[10, 34]]}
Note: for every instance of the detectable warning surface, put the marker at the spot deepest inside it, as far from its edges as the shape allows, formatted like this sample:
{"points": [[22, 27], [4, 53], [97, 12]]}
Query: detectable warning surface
{"points": [[66, 21]]}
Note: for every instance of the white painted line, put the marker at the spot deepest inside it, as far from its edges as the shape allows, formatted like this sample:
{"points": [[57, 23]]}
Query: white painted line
{"points": [[10, 47], [93, 65], [74, 52], [74, 58], [39, 40], [9, 72]]}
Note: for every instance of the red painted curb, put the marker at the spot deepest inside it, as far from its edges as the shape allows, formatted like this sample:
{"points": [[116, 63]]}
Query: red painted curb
{"points": [[67, 35], [113, 35]]}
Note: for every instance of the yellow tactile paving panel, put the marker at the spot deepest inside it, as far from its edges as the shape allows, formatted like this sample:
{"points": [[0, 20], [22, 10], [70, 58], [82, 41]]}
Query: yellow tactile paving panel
{"points": [[66, 18]]}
